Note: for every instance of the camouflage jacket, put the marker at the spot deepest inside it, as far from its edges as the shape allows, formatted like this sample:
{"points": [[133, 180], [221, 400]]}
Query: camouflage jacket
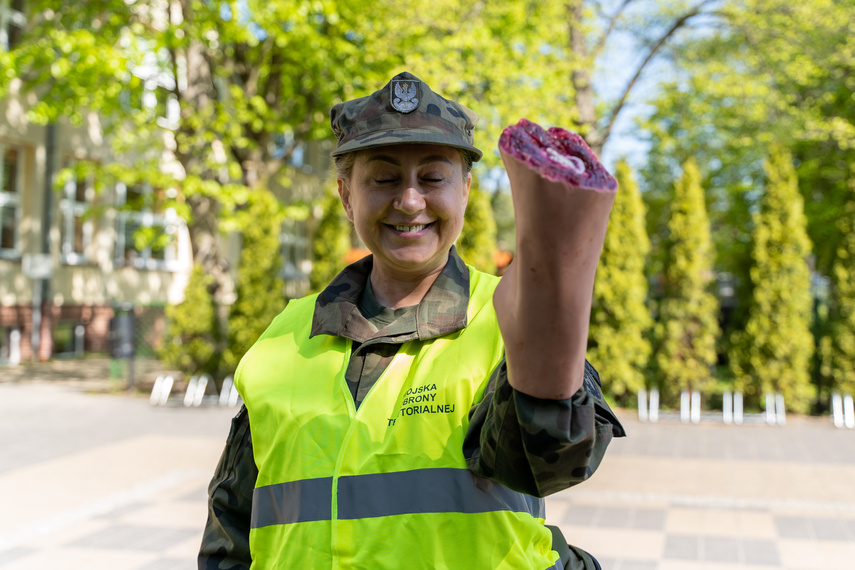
{"points": [[530, 445]]}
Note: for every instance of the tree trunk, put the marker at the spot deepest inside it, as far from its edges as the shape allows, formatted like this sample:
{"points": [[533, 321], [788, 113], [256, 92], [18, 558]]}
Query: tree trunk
{"points": [[581, 79], [201, 94]]}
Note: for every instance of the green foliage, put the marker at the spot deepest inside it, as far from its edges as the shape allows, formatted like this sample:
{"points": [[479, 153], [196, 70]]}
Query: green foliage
{"points": [[618, 344], [772, 71], [687, 327], [506, 227], [477, 242], [259, 287], [228, 91], [774, 352], [331, 242], [842, 306], [193, 337]]}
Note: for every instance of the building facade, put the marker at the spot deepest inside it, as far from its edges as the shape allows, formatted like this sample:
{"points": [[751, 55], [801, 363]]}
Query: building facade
{"points": [[76, 251], [70, 256]]}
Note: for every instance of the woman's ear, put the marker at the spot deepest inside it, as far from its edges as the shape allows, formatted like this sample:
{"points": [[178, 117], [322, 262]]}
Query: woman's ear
{"points": [[466, 186], [344, 194]]}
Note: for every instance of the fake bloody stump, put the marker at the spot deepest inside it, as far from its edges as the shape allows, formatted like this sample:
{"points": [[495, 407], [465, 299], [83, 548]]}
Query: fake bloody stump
{"points": [[562, 200], [556, 154]]}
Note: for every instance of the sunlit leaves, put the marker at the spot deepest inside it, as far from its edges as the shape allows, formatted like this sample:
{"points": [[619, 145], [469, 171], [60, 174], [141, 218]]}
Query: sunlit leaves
{"points": [[620, 320]]}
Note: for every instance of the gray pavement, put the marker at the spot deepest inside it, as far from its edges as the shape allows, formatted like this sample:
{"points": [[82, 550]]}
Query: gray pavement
{"points": [[91, 477]]}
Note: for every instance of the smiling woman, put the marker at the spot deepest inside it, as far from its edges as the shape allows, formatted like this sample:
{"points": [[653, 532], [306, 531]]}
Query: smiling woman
{"points": [[406, 203], [381, 423]]}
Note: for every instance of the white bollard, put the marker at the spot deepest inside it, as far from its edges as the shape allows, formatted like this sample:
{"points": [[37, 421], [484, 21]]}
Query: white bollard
{"points": [[190, 394], [780, 410], [654, 405], [233, 397], [727, 408], [696, 407], [837, 409], [154, 399], [201, 386], [848, 411], [642, 405], [165, 390], [225, 392], [770, 408], [737, 408], [15, 347], [684, 406]]}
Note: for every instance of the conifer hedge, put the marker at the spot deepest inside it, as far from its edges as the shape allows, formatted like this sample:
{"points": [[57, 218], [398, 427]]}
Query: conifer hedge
{"points": [[259, 287], [331, 242], [687, 323], [842, 305], [477, 242], [193, 338], [773, 354], [618, 344]]}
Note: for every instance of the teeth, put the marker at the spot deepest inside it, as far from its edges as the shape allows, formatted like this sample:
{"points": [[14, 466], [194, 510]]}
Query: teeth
{"points": [[410, 228]]}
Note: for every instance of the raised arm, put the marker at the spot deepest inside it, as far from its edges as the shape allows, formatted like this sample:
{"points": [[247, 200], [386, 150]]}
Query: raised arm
{"points": [[562, 200]]}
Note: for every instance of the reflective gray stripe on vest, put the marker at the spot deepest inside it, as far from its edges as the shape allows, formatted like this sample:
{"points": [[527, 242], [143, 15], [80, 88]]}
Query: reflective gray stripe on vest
{"points": [[297, 501], [443, 490]]}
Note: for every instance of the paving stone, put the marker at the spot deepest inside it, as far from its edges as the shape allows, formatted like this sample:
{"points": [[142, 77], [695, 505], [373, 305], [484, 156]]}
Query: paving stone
{"points": [[720, 549], [682, 547], [830, 529], [761, 552], [614, 517], [793, 527], [649, 519]]}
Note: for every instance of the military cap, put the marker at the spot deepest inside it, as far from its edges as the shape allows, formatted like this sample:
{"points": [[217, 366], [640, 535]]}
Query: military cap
{"points": [[405, 111]]}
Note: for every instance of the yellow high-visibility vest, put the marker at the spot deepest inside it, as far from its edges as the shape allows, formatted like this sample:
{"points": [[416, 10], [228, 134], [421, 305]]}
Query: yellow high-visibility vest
{"points": [[385, 486]]}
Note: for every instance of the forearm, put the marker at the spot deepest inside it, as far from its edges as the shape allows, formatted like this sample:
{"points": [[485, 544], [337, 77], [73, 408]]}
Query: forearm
{"points": [[543, 302]]}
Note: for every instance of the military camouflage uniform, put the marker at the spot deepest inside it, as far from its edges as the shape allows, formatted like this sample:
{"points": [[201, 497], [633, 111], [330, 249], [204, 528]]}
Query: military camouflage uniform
{"points": [[530, 445]]}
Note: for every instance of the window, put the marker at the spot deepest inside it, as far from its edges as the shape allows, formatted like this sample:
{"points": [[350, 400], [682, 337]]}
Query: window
{"points": [[12, 22], [75, 226], [145, 238], [10, 200], [296, 264]]}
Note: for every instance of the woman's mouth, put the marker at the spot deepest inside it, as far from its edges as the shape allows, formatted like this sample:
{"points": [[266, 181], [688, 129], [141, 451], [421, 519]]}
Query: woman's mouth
{"points": [[409, 228]]}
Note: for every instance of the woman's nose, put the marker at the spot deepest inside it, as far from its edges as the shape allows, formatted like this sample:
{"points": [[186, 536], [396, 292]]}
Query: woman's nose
{"points": [[410, 200]]}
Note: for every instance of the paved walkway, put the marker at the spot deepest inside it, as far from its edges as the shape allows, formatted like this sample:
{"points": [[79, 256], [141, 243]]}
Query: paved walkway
{"points": [[93, 480]]}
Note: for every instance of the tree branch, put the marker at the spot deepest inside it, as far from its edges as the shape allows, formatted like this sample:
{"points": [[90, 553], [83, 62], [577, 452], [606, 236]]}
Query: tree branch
{"points": [[678, 24], [601, 45]]}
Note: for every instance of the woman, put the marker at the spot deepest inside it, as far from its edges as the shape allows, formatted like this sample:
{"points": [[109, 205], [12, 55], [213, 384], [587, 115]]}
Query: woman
{"points": [[414, 412]]}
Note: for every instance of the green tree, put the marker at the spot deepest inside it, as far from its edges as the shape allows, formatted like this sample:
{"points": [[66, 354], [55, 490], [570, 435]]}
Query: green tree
{"points": [[227, 91], [687, 327], [842, 306], [620, 320], [769, 72], [259, 288], [775, 351], [477, 242], [506, 227], [193, 338], [331, 242]]}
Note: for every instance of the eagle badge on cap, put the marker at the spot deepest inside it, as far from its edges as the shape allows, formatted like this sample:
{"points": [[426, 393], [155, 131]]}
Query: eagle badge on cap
{"points": [[404, 95]]}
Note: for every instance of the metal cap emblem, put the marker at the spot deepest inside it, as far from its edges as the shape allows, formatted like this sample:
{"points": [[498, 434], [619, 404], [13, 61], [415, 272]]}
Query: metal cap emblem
{"points": [[404, 96]]}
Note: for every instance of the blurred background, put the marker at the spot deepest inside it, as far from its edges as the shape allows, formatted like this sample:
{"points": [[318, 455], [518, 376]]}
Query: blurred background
{"points": [[165, 188]]}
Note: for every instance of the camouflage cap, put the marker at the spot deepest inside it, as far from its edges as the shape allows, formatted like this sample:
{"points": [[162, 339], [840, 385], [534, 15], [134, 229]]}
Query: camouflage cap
{"points": [[405, 111]]}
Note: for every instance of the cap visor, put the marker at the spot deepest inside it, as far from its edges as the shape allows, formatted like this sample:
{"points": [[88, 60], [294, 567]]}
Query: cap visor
{"points": [[404, 136]]}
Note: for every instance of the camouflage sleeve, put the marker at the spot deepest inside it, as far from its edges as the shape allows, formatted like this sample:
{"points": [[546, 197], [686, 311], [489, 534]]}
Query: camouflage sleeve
{"points": [[536, 446], [225, 542]]}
